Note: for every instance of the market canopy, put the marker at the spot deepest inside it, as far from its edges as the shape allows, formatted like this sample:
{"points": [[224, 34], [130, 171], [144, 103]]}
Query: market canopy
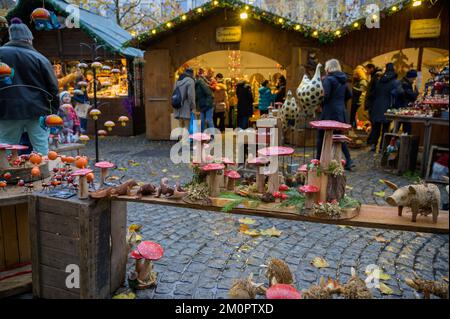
{"points": [[105, 30]]}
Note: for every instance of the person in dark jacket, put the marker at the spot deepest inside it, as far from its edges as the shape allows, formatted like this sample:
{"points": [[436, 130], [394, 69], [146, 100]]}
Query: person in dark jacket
{"points": [[186, 84], [205, 100], [384, 94], [245, 104], [337, 93], [281, 90], [22, 108], [409, 95], [359, 90]]}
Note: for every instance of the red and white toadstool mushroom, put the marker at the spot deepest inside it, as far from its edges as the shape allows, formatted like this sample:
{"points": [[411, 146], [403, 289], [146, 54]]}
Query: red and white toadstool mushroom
{"points": [[150, 251], [104, 166], [213, 171], [83, 188], [273, 153], [338, 140], [310, 192], [283, 291], [259, 163], [200, 138], [232, 177], [139, 266]]}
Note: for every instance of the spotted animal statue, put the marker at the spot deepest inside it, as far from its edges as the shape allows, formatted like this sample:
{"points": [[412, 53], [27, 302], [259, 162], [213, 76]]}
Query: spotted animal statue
{"points": [[290, 112], [311, 93]]}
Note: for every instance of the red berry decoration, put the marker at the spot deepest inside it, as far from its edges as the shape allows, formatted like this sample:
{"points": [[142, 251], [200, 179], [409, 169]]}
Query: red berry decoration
{"points": [[283, 188], [7, 176], [21, 183]]}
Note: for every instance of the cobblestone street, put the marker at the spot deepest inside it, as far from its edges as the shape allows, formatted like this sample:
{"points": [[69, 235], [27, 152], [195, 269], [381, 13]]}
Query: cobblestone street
{"points": [[204, 251]]}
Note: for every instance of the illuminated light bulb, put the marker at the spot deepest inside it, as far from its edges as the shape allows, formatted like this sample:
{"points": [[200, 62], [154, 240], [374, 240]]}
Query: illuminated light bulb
{"points": [[247, 7], [183, 17], [374, 17], [216, 2], [244, 16], [338, 32], [280, 20], [297, 27], [199, 10], [154, 31], [394, 8], [417, 3], [356, 24], [169, 24], [315, 33]]}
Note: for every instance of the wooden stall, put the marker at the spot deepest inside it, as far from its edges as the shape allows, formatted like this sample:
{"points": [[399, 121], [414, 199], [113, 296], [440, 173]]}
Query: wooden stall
{"points": [[44, 240], [119, 94], [167, 48]]}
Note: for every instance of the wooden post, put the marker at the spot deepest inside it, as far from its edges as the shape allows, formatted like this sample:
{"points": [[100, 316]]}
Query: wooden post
{"points": [[260, 181], [214, 184], [325, 159], [3, 159], [83, 188]]}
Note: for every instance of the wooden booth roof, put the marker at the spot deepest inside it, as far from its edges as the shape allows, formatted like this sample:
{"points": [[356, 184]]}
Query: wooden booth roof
{"points": [[104, 30]]}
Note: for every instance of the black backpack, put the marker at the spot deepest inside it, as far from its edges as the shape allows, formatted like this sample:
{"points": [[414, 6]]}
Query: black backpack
{"points": [[177, 99]]}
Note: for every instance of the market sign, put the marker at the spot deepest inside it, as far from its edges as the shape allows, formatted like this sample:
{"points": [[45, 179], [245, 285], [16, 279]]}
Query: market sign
{"points": [[425, 28], [229, 34]]}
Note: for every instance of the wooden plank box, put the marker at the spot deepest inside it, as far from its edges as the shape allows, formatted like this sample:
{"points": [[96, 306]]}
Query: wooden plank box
{"points": [[406, 159], [88, 234]]}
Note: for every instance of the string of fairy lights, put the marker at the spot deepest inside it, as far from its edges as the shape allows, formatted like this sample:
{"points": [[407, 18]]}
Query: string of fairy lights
{"points": [[245, 11]]}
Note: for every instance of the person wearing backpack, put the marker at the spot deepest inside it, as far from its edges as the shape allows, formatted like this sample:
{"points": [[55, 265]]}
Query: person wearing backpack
{"points": [[221, 102], [204, 100], [183, 99]]}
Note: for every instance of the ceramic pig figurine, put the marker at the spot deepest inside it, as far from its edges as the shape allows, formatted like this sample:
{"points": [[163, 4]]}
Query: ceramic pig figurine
{"points": [[423, 199]]}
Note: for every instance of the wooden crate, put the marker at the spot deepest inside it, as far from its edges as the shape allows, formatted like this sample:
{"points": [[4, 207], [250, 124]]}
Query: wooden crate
{"points": [[407, 154], [300, 137], [89, 234]]}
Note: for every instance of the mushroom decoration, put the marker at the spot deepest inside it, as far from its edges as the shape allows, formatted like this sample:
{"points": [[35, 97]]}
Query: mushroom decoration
{"points": [[106, 68], [123, 120], [259, 162], [115, 71], [54, 120], [82, 84], [3, 156], [232, 177], [213, 171], [84, 139], [104, 166], [132, 278], [41, 18], [338, 140], [96, 65], [201, 138], [6, 73], [273, 153], [15, 150], [310, 192], [150, 251], [102, 133], [283, 291], [109, 125], [95, 113], [83, 188], [3, 185], [82, 65], [227, 162], [327, 149]]}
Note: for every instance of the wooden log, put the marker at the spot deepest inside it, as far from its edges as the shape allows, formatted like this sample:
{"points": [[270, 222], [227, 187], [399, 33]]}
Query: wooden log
{"points": [[3, 160], [83, 188], [260, 181], [274, 182], [214, 185]]}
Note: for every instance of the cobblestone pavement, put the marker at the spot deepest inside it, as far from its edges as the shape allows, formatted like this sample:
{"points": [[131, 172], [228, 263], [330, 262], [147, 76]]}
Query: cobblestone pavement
{"points": [[204, 251]]}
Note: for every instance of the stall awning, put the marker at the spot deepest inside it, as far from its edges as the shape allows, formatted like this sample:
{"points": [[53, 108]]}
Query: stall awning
{"points": [[105, 30]]}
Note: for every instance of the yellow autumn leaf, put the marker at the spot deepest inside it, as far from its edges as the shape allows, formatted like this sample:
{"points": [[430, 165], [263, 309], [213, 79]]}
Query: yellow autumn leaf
{"points": [[252, 233], [345, 226], [319, 262], [247, 221], [381, 275], [164, 170], [390, 248], [271, 232], [380, 194], [349, 187], [176, 176], [385, 289], [381, 239], [130, 295], [135, 227], [135, 164], [123, 169]]}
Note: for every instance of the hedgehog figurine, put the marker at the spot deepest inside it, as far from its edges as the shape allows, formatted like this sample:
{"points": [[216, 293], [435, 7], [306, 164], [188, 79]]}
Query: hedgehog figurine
{"points": [[278, 272], [243, 289], [324, 290], [356, 288]]}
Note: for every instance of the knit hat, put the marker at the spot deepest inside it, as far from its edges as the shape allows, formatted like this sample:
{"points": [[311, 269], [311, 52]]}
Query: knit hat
{"points": [[411, 74], [19, 31], [62, 95]]}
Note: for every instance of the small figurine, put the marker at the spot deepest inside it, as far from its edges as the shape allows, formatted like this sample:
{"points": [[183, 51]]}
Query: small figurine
{"points": [[423, 199], [164, 189], [146, 190], [278, 272]]}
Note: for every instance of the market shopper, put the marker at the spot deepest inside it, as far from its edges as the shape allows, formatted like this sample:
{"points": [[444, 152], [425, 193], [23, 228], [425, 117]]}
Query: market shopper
{"points": [[408, 96], [21, 108], [205, 101], [221, 103], [186, 85], [360, 85], [281, 90], [266, 98], [383, 95], [337, 93], [245, 104]]}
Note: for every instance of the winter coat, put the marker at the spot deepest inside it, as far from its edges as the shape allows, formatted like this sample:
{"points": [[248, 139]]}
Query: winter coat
{"points": [[266, 98], [30, 68], [337, 93], [409, 94], [281, 94], [203, 95], [220, 98], [384, 94], [359, 93], [245, 99], [187, 90]]}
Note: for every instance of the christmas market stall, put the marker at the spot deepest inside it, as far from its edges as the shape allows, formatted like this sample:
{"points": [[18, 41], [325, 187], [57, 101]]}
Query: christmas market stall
{"points": [[73, 38]]}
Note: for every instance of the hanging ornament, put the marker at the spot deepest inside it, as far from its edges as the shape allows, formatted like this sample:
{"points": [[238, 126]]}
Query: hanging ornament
{"points": [[54, 121], [6, 73], [42, 19]]}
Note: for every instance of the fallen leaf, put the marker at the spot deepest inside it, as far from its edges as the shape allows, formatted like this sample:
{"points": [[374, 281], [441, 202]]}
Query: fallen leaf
{"points": [[381, 275], [349, 187], [252, 233], [247, 221], [381, 239], [345, 226], [164, 170], [271, 232], [245, 248], [135, 227], [390, 248], [135, 164], [153, 173], [123, 169], [130, 295], [385, 289], [176, 176], [319, 262], [380, 194]]}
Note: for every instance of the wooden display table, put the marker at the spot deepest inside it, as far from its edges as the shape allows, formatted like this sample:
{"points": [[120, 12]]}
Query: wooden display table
{"points": [[428, 122], [89, 234]]}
